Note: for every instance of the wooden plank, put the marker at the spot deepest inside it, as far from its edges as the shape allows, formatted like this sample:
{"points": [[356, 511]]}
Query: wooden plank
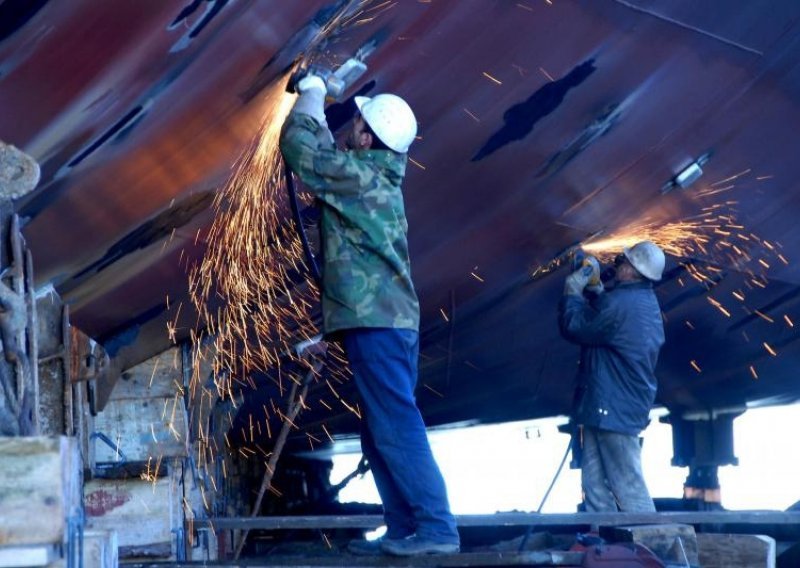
{"points": [[670, 542], [471, 559], [32, 335], [158, 377], [513, 519], [51, 391], [83, 422], [37, 489], [139, 511], [18, 556], [736, 551], [143, 428], [100, 549]]}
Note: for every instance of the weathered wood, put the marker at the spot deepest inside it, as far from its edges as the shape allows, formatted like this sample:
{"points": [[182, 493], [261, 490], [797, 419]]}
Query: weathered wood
{"points": [[144, 429], [159, 377], [32, 336], [472, 559], [513, 519], [100, 549], [140, 511], [18, 285], [670, 542], [736, 551], [18, 556], [52, 370], [37, 489]]}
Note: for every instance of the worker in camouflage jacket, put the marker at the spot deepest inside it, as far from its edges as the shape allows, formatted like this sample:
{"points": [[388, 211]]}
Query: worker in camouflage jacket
{"points": [[620, 333], [369, 303]]}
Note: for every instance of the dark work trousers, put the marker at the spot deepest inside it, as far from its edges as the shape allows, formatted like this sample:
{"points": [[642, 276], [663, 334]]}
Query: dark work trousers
{"points": [[393, 437], [611, 473]]}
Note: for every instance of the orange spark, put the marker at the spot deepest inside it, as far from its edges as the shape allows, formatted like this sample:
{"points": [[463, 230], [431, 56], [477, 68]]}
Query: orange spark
{"points": [[485, 74]]}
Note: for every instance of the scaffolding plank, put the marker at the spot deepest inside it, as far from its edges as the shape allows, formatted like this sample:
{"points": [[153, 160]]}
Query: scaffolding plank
{"points": [[471, 559], [513, 519]]}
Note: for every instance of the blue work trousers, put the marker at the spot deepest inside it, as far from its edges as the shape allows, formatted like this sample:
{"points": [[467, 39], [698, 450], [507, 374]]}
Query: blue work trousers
{"points": [[393, 437], [611, 473]]}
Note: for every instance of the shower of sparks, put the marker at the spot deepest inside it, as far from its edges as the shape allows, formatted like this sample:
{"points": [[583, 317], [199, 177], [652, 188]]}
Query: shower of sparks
{"points": [[255, 299], [246, 269], [679, 238]]}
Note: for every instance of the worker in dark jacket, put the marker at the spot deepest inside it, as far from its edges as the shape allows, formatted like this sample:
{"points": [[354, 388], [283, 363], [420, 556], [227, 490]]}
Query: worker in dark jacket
{"points": [[369, 303], [620, 333]]}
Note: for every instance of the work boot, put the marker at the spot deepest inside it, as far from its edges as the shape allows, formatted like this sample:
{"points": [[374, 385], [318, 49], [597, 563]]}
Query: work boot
{"points": [[418, 546], [364, 547]]}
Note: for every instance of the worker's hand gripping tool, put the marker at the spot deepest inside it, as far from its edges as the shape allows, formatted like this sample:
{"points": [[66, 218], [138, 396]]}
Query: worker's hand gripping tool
{"points": [[336, 82]]}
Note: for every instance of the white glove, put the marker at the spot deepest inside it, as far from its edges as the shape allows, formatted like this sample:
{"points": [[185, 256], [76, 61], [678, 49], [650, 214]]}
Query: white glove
{"points": [[311, 83], [577, 281], [595, 285], [312, 98]]}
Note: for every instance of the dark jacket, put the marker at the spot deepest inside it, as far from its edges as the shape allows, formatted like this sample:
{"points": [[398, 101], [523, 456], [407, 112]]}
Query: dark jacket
{"points": [[620, 334]]}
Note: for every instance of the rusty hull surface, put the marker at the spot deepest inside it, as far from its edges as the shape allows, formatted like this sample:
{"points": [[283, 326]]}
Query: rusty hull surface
{"points": [[541, 123]]}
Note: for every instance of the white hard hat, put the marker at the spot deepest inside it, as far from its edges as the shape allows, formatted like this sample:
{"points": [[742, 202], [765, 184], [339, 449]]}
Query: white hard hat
{"points": [[391, 119], [647, 258]]}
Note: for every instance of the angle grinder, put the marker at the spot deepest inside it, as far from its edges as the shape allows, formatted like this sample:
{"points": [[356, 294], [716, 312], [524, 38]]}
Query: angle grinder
{"points": [[336, 82]]}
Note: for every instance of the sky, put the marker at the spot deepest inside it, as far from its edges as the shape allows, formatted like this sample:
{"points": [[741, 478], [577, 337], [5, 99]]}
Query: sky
{"points": [[508, 467]]}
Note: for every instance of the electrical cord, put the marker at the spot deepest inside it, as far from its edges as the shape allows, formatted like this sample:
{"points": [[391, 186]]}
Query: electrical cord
{"points": [[546, 495], [311, 260]]}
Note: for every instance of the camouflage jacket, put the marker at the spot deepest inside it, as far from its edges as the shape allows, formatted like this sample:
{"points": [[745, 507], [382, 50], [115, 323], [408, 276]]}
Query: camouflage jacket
{"points": [[366, 276]]}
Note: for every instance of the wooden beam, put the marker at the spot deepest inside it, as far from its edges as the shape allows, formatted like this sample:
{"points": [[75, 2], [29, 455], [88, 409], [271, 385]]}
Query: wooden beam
{"points": [[39, 489], [470, 559], [147, 428], [141, 512], [18, 556], [513, 519], [736, 551]]}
